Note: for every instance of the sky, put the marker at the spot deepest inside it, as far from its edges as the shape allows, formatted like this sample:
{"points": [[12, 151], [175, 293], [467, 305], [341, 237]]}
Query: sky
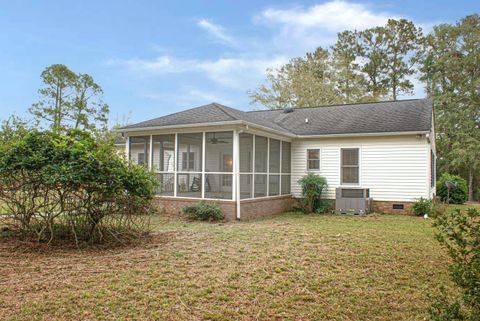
{"points": [[154, 58]]}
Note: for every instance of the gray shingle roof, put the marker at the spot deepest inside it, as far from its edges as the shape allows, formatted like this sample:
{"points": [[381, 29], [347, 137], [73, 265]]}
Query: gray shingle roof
{"points": [[392, 116]]}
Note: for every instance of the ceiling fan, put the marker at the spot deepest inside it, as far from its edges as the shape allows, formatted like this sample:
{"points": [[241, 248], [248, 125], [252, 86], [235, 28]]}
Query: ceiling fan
{"points": [[215, 140]]}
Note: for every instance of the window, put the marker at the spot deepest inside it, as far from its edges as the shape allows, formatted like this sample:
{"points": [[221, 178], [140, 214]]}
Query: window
{"points": [[188, 161], [313, 159], [350, 167]]}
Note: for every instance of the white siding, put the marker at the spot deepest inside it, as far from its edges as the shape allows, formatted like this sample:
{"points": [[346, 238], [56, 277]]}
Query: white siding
{"points": [[395, 168]]}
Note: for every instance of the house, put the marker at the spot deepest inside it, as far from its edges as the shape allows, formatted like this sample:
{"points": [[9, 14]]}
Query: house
{"points": [[250, 162]]}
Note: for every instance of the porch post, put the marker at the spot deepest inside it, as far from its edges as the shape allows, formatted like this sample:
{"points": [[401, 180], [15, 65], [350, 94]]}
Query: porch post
{"points": [[236, 176], [203, 175], [175, 166], [127, 149], [150, 154]]}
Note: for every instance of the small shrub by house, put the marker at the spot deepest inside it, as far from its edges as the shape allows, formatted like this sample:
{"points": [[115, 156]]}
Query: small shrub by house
{"points": [[313, 186], [203, 211]]}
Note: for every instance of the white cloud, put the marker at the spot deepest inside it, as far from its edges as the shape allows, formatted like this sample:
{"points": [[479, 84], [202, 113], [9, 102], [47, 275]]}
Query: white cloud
{"points": [[217, 32], [334, 16], [235, 72], [300, 29]]}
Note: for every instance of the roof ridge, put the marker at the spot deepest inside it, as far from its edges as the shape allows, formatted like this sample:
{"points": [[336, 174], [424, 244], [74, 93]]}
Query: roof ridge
{"points": [[341, 105], [222, 108]]}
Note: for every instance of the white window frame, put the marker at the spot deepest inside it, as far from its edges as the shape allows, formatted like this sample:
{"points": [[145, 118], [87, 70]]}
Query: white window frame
{"points": [[308, 169], [359, 165]]}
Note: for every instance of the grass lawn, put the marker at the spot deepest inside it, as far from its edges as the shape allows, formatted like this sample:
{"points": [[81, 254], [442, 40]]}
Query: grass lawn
{"points": [[291, 266]]}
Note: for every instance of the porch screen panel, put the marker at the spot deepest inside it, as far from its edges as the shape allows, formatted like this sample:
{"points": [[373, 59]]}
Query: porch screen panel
{"points": [[189, 185], [246, 186], [163, 162], [218, 186], [246, 153], [286, 158], [165, 184], [261, 152], [274, 158], [189, 156], [261, 181], [285, 188], [219, 165], [219, 152], [139, 149], [273, 185], [163, 159]]}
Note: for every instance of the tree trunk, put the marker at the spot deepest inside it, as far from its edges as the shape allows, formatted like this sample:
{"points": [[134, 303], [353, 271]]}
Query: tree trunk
{"points": [[470, 185]]}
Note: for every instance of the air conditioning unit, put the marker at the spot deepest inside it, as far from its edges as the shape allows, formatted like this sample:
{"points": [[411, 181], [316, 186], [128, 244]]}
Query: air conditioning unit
{"points": [[353, 201]]}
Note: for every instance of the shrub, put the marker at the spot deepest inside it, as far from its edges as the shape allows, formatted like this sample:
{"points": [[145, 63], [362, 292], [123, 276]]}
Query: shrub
{"points": [[457, 196], [204, 211], [72, 186], [422, 206], [312, 188], [459, 233]]}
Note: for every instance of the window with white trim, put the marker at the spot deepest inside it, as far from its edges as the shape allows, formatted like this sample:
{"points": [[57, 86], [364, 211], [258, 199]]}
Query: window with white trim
{"points": [[350, 166], [313, 159]]}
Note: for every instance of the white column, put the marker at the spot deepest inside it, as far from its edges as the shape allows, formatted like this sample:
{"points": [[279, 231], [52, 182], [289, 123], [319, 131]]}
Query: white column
{"points": [[127, 149], [175, 166], [268, 166], [203, 176], [253, 168], [150, 154], [236, 175], [280, 170]]}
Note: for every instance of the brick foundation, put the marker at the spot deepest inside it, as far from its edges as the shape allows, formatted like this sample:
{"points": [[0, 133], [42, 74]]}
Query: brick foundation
{"points": [[387, 207], [250, 209], [265, 206]]}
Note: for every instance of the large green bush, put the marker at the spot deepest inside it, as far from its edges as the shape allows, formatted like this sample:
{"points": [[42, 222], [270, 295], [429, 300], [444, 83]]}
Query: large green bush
{"points": [[72, 186], [313, 186], [459, 233], [204, 211], [457, 196]]}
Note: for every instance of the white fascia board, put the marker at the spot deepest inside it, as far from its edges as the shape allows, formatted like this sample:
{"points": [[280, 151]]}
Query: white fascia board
{"points": [[365, 134]]}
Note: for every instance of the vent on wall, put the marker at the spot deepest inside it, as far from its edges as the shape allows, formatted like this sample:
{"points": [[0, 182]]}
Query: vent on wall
{"points": [[398, 206]]}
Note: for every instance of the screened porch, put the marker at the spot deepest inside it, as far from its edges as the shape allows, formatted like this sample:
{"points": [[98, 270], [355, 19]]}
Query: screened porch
{"points": [[220, 165]]}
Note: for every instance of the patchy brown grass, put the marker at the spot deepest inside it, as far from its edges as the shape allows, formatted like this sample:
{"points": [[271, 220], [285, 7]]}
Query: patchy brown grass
{"points": [[291, 266]]}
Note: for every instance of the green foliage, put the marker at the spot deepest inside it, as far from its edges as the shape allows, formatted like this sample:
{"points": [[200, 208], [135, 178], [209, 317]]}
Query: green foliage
{"points": [[422, 206], [69, 100], [367, 65], [459, 233], [457, 196], [204, 211], [450, 70], [73, 184], [313, 186]]}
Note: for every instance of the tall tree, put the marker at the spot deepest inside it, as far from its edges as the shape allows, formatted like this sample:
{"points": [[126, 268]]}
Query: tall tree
{"points": [[451, 69], [373, 56], [69, 100], [402, 45], [349, 81], [303, 82], [54, 106], [88, 108]]}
